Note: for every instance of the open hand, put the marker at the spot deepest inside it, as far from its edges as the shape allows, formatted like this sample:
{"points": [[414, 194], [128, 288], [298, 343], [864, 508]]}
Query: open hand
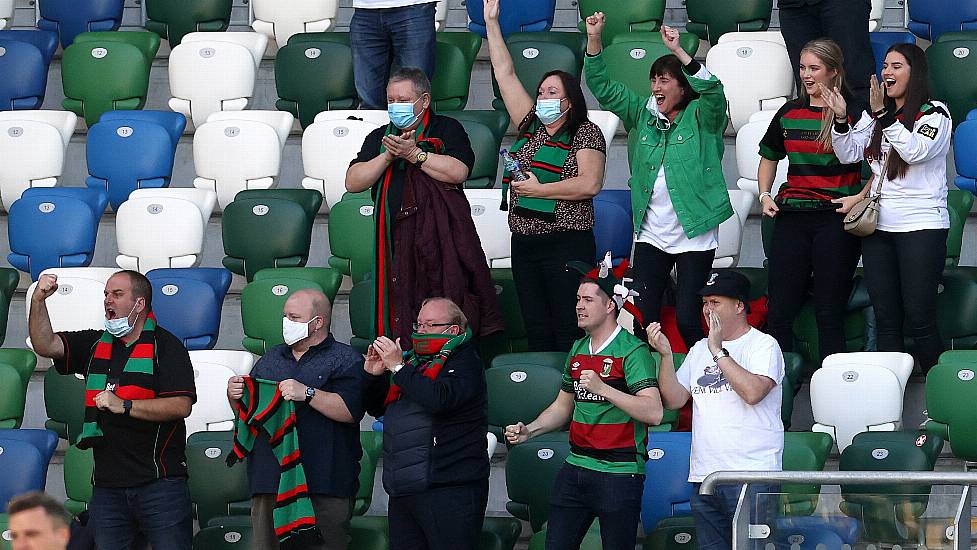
{"points": [[876, 94], [490, 9], [657, 339], [389, 351], [715, 332], [835, 101]]}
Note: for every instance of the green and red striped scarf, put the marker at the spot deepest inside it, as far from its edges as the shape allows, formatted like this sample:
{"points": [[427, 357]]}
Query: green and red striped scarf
{"points": [[546, 165], [262, 408], [430, 363], [139, 367]]}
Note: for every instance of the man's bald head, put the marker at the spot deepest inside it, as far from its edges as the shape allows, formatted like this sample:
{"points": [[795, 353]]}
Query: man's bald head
{"points": [[307, 304]]}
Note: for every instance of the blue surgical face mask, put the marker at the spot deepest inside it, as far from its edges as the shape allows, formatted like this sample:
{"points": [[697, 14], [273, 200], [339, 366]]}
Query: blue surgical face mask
{"points": [[402, 114], [119, 326], [548, 110]]}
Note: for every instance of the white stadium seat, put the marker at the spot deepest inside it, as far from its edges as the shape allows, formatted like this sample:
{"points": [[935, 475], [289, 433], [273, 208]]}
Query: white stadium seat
{"points": [[214, 71], [6, 13], [328, 146], [748, 154], [204, 200], [738, 64], [731, 230], [280, 19], [492, 225], [211, 370], [77, 304], [440, 14], [281, 121], [875, 15], [856, 392], [769, 36], [38, 141], [607, 122], [219, 146], [158, 232]]}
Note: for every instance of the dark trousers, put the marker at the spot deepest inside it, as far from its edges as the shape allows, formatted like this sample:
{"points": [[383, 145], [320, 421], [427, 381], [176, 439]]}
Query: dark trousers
{"points": [[845, 22], [443, 518], [332, 516], [903, 272], [547, 290], [580, 495], [713, 514], [160, 510], [651, 270], [806, 242]]}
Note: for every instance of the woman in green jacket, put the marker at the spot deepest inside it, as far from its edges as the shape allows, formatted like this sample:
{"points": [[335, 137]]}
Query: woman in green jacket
{"points": [[678, 193]]}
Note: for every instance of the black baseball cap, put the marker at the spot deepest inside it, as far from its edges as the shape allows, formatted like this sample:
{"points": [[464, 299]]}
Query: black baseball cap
{"points": [[729, 283]]}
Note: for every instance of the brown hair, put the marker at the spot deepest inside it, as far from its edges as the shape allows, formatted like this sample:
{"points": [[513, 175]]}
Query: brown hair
{"points": [[36, 499]]}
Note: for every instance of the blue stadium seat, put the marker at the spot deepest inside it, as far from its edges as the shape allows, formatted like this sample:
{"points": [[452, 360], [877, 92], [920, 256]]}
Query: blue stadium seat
{"points": [[187, 301], [45, 41], [620, 196], [514, 16], [24, 469], [54, 227], [147, 141], [881, 41], [928, 19], [667, 488], [45, 441], [25, 76], [810, 533], [964, 146], [70, 18], [612, 229]]}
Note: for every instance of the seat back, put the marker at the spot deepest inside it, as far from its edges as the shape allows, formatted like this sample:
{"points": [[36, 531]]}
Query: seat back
{"points": [[608, 124], [748, 161], [624, 17], [158, 232], [881, 41], [804, 452], [613, 229], [207, 76], [901, 364], [710, 20], [13, 396], [328, 146], [667, 488], [950, 392], [279, 20], [24, 470], [930, 444], [630, 56], [213, 485], [731, 230], [495, 120], [530, 470], [486, 148], [947, 60], [518, 393], [39, 150], [928, 20], [174, 19], [79, 465], [734, 62], [535, 54], [514, 16], [218, 147], [362, 304], [188, 301], [454, 59], [492, 225], [313, 76], [45, 41], [372, 445], [25, 66], [227, 535], [45, 441], [64, 402], [956, 306], [965, 140], [351, 236], [69, 19], [555, 360], [959, 204], [211, 411], [77, 304], [848, 399]]}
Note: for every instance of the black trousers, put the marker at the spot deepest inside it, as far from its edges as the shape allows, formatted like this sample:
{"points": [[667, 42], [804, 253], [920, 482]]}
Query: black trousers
{"points": [[903, 272], [845, 22], [651, 269], [547, 291], [445, 518], [805, 243]]}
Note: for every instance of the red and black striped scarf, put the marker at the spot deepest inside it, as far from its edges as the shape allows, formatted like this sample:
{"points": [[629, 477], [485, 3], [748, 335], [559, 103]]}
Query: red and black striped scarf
{"points": [[546, 165]]}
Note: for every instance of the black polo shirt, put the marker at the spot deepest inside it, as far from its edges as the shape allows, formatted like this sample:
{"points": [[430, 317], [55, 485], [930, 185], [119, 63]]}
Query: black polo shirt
{"points": [[330, 450], [136, 452]]}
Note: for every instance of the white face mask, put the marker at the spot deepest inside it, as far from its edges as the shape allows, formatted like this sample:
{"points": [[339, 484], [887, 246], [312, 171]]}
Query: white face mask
{"points": [[661, 122], [294, 331], [119, 326]]}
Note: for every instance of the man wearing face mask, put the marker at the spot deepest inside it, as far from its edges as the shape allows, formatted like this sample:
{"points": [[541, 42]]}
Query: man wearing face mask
{"points": [[139, 388], [434, 402], [322, 376], [426, 240]]}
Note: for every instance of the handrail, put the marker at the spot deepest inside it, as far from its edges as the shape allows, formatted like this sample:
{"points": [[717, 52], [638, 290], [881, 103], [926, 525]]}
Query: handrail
{"points": [[836, 478]]}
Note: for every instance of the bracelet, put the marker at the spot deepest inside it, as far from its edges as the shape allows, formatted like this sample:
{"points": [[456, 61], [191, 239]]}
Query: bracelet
{"points": [[841, 120], [879, 114], [764, 194]]}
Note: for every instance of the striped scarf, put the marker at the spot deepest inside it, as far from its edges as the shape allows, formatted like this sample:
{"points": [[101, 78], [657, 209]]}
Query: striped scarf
{"points": [[263, 408], [546, 165], [135, 382], [430, 364]]}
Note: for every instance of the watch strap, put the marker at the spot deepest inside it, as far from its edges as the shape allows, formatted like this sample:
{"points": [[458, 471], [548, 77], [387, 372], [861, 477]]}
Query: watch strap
{"points": [[126, 407], [722, 353], [309, 393]]}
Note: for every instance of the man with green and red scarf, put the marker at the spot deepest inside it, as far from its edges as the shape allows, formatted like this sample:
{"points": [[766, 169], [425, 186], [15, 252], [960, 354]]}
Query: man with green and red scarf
{"points": [[609, 396]]}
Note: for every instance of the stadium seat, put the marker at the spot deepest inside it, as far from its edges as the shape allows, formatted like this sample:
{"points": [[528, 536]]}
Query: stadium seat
{"points": [[224, 535], [211, 370], [875, 15], [361, 307], [518, 393], [352, 236], [6, 13], [630, 56], [20, 359], [793, 366], [328, 146], [187, 302], [676, 537], [146, 139], [807, 338], [218, 146], [265, 228], [78, 468], [262, 301], [956, 306], [54, 227], [736, 63], [279, 20], [514, 16], [536, 53], [45, 441], [161, 231], [858, 392], [513, 340], [623, 17], [13, 397], [930, 19], [950, 394], [23, 361], [454, 60], [77, 304], [214, 485], [38, 140], [530, 470], [497, 121], [608, 124], [613, 229], [555, 360], [620, 196], [964, 142], [931, 444], [748, 159], [959, 204], [486, 148], [26, 75], [769, 36], [174, 19], [803, 452], [710, 20], [667, 489], [372, 445], [69, 18], [731, 230], [948, 59], [499, 533], [211, 72], [64, 402], [24, 470], [492, 225], [314, 73], [107, 71], [45, 41], [881, 41]]}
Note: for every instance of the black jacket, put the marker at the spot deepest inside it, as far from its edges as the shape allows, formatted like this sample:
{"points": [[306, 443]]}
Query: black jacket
{"points": [[434, 435]]}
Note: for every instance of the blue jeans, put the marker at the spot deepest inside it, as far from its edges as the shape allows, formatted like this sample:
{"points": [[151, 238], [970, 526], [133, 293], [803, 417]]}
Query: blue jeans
{"points": [[713, 514], [385, 37], [579, 495], [160, 510]]}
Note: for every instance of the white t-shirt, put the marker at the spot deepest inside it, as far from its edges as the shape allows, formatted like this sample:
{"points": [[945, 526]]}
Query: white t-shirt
{"points": [[661, 227], [376, 4], [727, 433]]}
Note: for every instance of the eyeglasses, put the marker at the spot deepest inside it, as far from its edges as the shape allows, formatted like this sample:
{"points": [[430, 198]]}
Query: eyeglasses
{"points": [[419, 326]]}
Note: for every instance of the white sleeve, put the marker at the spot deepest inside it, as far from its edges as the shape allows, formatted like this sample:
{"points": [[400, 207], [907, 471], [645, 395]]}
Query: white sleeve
{"points": [[929, 138], [850, 146], [766, 359]]}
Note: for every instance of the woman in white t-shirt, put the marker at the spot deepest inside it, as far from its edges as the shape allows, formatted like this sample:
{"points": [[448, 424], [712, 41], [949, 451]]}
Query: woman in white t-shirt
{"points": [[906, 139]]}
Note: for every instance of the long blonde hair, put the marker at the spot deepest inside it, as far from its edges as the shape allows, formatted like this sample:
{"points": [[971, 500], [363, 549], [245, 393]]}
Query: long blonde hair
{"points": [[829, 53]]}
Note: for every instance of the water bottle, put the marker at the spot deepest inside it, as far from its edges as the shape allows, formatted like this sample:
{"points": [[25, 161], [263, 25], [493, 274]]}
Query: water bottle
{"points": [[512, 165]]}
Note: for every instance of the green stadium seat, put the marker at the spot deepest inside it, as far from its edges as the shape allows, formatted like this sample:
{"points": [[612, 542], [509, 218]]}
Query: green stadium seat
{"points": [[806, 341], [671, 538], [172, 19], [497, 121], [499, 533], [454, 59], [13, 396], [361, 306], [369, 533], [758, 280], [951, 389], [266, 228], [630, 55], [530, 470], [262, 301], [513, 339], [486, 147], [945, 68], [956, 306], [314, 73], [9, 278], [518, 393], [804, 452], [372, 443], [537, 53], [213, 486], [352, 236], [623, 17], [793, 366], [4, 525], [21, 360], [930, 444], [958, 356], [107, 71], [709, 19], [78, 468], [670, 417], [959, 204], [224, 536], [555, 360], [64, 401]]}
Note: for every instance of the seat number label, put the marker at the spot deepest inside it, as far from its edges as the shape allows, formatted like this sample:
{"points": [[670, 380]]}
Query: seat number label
{"points": [[313, 53], [638, 53], [99, 53], [545, 454], [212, 452], [124, 131], [46, 207], [170, 290], [279, 290]]}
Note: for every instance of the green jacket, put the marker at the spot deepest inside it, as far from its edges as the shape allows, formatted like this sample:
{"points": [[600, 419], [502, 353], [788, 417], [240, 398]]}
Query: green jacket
{"points": [[691, 150]]}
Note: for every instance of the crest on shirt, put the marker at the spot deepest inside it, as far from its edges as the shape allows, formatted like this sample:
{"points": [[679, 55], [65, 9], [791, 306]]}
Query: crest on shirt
{"points": [[608, 365], [712, 278], [928, 131]]}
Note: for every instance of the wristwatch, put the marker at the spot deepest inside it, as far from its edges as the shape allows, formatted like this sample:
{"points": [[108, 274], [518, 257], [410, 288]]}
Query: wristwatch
{"points": [[126, 407], [396, 368], [421, 157], [722, 353], [764, 194], [309, 393]]}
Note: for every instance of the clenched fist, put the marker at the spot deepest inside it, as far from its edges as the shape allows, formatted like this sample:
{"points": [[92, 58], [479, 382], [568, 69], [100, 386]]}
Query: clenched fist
{"points": [[46, 286]]}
